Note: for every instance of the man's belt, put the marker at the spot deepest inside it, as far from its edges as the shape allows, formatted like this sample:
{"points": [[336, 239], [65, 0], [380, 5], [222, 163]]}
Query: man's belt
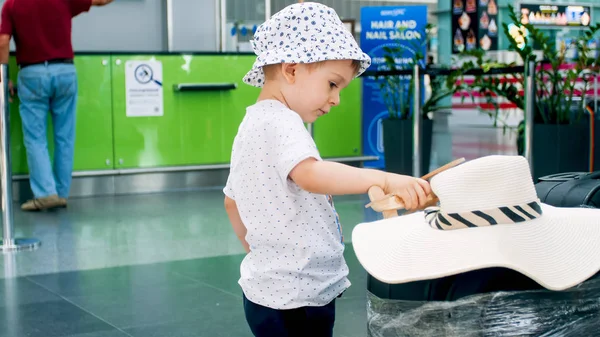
{"points": [[52, 61]]}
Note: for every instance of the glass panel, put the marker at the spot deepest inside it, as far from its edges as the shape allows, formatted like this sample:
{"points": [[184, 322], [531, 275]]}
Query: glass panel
{"points": [[346, 9], [243, 17]]}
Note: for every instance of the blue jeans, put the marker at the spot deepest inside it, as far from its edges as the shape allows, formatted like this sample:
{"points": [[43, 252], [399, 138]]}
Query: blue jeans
{"points": [[44, 88]]}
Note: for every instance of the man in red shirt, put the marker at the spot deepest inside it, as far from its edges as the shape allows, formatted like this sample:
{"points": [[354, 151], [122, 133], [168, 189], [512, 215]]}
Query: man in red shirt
{"points": [[47, 81]]}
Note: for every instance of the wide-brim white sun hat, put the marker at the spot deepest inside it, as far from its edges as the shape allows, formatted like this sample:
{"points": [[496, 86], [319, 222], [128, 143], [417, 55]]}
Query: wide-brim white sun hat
{"points": [[305, 32], [489, 216]]}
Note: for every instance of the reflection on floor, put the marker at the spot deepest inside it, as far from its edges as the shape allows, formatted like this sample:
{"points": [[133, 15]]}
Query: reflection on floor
{"points": [[197, 297], [163, 264]]}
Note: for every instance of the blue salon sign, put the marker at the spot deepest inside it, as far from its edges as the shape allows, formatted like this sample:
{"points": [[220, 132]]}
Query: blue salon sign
{"points": [[401, 27]]}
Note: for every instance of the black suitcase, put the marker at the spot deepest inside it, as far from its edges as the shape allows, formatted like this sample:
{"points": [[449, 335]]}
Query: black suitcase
{"points": [[571, 189]]}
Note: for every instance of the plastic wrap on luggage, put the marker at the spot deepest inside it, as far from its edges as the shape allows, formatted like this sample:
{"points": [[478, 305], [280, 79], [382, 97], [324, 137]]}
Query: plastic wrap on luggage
{"points": [[572, 312]]}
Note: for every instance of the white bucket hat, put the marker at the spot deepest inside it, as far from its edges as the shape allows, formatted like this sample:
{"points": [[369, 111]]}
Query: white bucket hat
{"points": [[303, 33], [489, 216]]}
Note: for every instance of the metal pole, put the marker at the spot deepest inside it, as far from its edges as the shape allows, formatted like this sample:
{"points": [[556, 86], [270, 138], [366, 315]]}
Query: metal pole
{"points": [[267, 10], [9, 243], [311, 129], [170, 25], [417, 121], [595, 95], [218, 24], [223, 22], [310, 126], [529, 106]]}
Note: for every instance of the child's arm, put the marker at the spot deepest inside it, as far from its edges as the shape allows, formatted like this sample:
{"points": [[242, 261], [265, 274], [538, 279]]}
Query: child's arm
{"points": [[236, 222], [325, 177]]}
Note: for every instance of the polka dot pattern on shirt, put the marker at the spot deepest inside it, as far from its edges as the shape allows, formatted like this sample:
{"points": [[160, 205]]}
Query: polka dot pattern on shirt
{"points": [[295, 238]]}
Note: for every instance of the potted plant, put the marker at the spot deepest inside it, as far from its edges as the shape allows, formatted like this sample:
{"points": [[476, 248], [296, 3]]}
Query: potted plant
{"points": [[561, 124], [489, 86], [398, 94], [561, 128]]}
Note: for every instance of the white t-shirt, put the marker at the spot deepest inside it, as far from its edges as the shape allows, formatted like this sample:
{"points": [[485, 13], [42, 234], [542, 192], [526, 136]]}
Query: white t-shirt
{"points": [[296, 245]]}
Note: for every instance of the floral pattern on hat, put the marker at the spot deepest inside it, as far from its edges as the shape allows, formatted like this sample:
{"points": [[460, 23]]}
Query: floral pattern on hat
{"points": [[305, 32]]}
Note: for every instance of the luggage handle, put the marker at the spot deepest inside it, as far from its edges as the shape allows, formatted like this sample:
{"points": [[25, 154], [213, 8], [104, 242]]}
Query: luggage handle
{"points": [[566, 176], [593, 175], [390, 203]]}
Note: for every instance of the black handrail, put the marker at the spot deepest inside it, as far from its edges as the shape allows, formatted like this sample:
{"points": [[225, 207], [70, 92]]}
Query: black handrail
{"points": [[441, 72], [204, 87]]}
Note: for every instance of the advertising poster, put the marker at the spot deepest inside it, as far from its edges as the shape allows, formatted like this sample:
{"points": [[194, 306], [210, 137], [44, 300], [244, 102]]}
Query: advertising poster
{"points": [[487, 20], [474, 25], [556, 15], [143, 88], [401, 27]]}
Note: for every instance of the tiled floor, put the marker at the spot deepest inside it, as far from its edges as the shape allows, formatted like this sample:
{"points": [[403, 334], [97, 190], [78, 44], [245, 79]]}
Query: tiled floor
{"points": [[151, 265], [196, 297], [163, 264]]}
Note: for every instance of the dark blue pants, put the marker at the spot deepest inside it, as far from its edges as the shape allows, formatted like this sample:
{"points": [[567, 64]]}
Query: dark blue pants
{"points": [[305, 321]]}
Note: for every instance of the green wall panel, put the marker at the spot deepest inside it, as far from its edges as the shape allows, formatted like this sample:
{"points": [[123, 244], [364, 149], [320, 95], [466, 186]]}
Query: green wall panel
{"points": [[17, 148], [338, 134], [93, 144], [94, 139], [197, 127]]}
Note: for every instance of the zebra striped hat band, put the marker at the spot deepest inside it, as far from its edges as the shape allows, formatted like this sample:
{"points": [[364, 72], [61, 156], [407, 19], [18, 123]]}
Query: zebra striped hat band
{"points": [[490, 217]]}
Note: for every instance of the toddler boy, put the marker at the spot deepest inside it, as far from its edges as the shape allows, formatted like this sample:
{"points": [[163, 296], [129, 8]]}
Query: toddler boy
{"points": [[278, 194]]}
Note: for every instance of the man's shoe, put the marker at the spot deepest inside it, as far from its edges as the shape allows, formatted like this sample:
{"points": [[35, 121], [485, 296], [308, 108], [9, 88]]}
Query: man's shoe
{"points": [[39, 204]]}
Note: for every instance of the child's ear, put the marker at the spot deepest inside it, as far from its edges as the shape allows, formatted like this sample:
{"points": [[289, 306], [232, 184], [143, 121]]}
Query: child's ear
{"points": [[289, 71]]}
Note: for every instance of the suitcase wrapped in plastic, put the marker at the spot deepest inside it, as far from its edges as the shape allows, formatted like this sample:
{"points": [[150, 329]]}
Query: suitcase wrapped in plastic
{"points": [[573, 312], [397, 310], [572, 189]]}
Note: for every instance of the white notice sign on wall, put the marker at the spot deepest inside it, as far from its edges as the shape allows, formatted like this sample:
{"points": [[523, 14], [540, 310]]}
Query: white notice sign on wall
{"points": [[144, 89]]}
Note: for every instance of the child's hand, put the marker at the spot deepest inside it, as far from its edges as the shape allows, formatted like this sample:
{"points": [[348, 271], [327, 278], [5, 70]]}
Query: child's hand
{"points": [[412, 191]]}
